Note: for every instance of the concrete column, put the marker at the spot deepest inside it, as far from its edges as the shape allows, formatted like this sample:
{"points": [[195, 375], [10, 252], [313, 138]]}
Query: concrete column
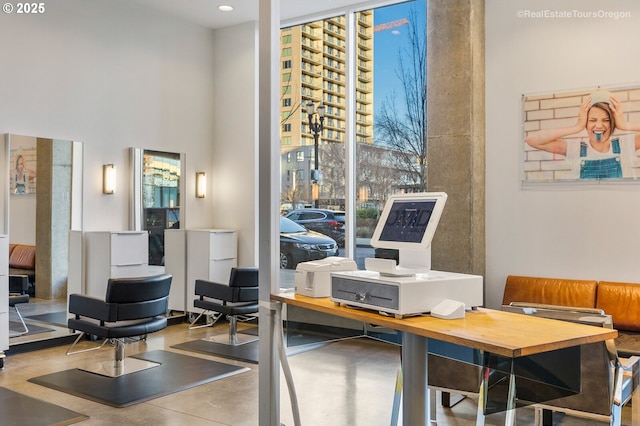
{"points": [[53, 219], [456, 131]]}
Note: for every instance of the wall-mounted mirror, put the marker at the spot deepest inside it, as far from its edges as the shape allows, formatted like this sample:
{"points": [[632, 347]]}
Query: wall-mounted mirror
{"points": [[157, 202], [41, 205]]}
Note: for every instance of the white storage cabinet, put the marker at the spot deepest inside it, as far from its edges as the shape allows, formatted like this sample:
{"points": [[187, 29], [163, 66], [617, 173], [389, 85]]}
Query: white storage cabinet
{"points": [[211, 253], [122, 254]]}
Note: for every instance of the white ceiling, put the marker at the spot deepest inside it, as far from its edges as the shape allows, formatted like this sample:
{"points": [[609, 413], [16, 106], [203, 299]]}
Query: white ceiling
{"points": [[206, 13]]}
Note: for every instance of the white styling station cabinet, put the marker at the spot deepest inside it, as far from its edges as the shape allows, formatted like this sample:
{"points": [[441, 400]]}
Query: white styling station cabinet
{"points": [[121, 254], [211, 253], [4, 295]]}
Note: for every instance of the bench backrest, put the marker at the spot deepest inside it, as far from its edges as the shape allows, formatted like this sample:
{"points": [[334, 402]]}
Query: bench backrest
{"points": [[22, 256], [622, 302], [550, 291]]}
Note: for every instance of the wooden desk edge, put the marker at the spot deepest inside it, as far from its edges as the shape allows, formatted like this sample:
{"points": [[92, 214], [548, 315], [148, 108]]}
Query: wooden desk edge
{"points": [[446, 330]]}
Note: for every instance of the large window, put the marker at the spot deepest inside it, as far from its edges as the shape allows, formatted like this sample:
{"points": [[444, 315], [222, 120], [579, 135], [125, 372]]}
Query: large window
{"points": [[380, 117], [390, 129]]}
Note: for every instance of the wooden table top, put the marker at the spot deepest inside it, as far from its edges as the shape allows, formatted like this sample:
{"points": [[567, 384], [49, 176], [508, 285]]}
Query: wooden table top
{"points": [[502, 333]]}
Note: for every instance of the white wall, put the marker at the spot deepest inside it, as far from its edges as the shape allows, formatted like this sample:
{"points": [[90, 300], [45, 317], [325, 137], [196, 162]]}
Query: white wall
{"points": [[116, 75], [235, 150], [586, 232]]}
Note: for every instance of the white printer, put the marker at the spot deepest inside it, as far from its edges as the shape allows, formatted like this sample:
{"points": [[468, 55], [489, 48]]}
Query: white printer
{"points": [[313, 278]]}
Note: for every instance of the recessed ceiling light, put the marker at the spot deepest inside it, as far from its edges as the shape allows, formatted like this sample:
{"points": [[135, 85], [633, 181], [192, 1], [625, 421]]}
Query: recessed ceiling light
{"points": [[225, 8]]}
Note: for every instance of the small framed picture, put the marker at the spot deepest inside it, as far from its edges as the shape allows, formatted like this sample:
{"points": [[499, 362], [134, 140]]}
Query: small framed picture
{"points": [[22, 177]]}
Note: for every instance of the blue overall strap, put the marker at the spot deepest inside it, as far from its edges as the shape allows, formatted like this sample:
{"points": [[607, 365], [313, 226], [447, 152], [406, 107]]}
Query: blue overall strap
{"points": [[615, 146], [583, 149]]}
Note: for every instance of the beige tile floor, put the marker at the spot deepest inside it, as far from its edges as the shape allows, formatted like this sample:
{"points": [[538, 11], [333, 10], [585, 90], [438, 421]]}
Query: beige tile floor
{"points": [[350, 382]]}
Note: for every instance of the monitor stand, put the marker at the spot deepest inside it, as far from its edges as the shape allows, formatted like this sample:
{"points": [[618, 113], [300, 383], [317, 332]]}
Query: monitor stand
{"points": [[412, 262]]}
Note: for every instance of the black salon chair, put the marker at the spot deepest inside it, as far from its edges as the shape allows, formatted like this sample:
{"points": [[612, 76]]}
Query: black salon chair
{"points": [[235, 300], [18, 287], [133, 307]]}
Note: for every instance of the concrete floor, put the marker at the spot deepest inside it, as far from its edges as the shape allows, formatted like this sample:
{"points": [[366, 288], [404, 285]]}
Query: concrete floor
{"points": [[350, 382]]}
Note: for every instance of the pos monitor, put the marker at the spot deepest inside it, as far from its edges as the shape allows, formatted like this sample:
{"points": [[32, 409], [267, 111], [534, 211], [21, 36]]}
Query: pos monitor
{"points": [[408, 223]]}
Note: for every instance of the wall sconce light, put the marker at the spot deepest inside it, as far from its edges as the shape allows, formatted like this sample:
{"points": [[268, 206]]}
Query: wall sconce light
{"points": [[108, 179], [201, 185]]}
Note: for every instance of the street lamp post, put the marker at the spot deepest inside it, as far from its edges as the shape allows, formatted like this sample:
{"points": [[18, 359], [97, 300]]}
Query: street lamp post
{"points": [[316, 125]]}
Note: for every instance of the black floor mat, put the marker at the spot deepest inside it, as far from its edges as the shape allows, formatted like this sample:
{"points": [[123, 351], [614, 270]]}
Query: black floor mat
{"points": [[18, 409], [56, 318], [247, 352], [16, 327], [177, 372]]}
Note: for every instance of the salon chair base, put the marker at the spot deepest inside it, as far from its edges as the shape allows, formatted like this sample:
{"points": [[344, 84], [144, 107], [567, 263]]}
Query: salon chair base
{"points": [[233, 338], [116, 366], [113, 368], [240, 339]]}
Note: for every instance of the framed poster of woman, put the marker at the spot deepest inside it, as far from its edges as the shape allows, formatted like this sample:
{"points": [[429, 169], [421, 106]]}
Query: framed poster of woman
{"points": [[22, 172], [590, 136]]}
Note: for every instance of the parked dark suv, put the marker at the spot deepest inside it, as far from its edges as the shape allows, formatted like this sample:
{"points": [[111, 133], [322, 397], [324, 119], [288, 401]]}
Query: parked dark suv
{"points": [[327, 222]]}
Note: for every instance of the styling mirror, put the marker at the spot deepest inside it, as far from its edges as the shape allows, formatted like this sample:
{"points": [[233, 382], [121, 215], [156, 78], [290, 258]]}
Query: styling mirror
{"points": [[42, 206], [157, 203]]}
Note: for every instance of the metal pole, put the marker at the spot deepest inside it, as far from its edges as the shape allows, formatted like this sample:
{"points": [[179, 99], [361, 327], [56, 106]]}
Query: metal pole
{"points": [[316, 202], [316, 125]]}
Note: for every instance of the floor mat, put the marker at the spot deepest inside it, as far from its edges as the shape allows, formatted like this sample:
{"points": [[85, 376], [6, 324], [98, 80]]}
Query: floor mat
{"points": [[247, 352], [16, 327], [18, 409], [177, 372], [56, 318]]}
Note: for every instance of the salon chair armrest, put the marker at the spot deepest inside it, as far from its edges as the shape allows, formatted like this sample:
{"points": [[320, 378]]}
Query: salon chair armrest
{"points": [[215, 290], [86, 306]]}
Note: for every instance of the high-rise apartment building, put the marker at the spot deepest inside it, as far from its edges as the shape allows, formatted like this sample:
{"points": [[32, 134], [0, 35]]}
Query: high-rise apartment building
{"points": [[314, 68]]}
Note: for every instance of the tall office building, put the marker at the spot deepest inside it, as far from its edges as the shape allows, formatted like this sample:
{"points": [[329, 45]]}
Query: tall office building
{"points": [[313, 68]]}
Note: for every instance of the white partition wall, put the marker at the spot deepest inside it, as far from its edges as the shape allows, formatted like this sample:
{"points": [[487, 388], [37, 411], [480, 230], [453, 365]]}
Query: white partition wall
{"points": [[175, 264]]}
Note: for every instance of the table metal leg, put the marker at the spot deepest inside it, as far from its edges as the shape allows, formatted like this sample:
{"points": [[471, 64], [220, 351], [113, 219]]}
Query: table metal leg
{"points": [[510, 417], [432, 406], [415, 400], [510, 412], [397, 398], [482, 397]]}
